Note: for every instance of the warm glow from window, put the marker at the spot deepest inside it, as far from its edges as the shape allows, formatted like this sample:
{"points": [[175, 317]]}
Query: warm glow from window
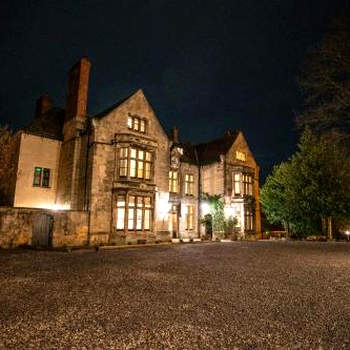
{"points": [[189, 184], [137, 213], [136, 163], [189, 217], [137, 124], [173, 181], [240, 156]]}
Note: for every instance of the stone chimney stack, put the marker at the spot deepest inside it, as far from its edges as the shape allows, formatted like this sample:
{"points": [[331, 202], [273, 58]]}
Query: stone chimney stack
{"points": [[175, 134], [43, 104], [78, 85]]}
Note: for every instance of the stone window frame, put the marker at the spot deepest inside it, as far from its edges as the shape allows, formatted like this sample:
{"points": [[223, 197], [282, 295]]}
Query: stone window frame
{"points": [[189, 184], [125, 160], [130, 202], [43, 179], [137, 124]]}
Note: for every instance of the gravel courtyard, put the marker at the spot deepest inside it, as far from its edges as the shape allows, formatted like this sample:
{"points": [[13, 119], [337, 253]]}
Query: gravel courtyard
{"points": [[239, 295]]}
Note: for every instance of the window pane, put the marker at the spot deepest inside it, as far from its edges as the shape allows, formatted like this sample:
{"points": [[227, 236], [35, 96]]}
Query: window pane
{"points": [[131, 219], [140, 201], [136, 124], [147, 219], [139, 219], [37, 176], [121, 201], [123, 169], [147, 171], [131, 201], [148, 156], [147, 202], [140, 155], [142, 126], [132, 167], [123, 152], [133, 152], [120, 218], [140, 169], [46, 178], [129, 122]]}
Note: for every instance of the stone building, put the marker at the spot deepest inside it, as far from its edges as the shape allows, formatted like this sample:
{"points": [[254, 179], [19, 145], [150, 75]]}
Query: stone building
{"points": [[128, 178]]}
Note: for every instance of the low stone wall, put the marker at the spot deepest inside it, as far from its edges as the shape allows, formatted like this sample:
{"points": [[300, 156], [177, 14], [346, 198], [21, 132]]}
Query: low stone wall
{"points": [[16, 226]]}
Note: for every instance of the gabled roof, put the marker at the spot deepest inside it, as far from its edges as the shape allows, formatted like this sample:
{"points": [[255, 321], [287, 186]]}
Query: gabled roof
{"points": [[49, 124], [110, 108], [209, 152]]}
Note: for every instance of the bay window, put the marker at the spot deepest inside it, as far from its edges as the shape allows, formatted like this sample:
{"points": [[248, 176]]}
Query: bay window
{"points": [[135, 163], [134, 213]]}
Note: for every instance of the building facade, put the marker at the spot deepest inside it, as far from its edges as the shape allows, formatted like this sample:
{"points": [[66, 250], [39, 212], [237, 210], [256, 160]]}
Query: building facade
{"points": [[132, 180]]}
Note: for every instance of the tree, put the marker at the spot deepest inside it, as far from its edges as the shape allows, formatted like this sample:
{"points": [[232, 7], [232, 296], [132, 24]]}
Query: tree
{"points": [[7, 166], [311, 188], [216, 205], [325, 83]]}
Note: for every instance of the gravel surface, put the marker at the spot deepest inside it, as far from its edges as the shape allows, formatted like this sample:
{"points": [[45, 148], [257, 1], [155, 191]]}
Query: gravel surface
{"points": [[239, 295]]}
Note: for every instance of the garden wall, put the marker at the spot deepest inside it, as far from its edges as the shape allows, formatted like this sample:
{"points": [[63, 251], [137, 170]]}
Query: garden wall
{"points": [[17, 224]]}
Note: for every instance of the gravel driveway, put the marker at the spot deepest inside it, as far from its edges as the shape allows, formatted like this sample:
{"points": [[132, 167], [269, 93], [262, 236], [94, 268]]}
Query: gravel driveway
{"points": [[239, 295]]}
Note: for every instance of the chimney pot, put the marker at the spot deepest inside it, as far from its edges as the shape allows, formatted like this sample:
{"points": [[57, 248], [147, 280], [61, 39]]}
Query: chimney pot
{"points": [[43, 104], [175, 134]]}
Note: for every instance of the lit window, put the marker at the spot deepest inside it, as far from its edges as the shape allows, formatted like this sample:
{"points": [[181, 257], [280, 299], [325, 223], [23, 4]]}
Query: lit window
{"points": [[237, 184], [247, 184], [135, 162], [123, 164], [137, 124], [240, 156], [41, 177], [189, 184], [142, 125], [173, 181], [138, 211], [120, 212], [189, 217], [130, 122]]}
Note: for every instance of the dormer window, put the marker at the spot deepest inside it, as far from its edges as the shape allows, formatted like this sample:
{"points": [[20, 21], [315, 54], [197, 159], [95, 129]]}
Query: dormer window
{"points": [[137, 124]]}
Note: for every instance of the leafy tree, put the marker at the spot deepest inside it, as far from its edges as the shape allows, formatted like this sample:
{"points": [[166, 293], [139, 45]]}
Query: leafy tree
{"points": [[310, 188], [325, 82], [216, 205]]}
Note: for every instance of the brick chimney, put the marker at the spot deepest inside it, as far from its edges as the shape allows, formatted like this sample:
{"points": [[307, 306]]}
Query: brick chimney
{"points": [[43, 104], [175, 134], [78, 85]]}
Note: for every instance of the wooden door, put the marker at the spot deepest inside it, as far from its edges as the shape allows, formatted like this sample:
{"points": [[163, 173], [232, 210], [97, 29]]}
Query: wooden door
{"points": [[42, 229]]}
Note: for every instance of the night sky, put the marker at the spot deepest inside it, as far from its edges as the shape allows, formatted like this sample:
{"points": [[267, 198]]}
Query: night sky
{"points": [[205, 66]]}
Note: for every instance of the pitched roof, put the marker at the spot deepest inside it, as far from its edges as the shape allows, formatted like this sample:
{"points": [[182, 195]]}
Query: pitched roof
{"points": [[49, 124], [209, 152], [110, 108]]}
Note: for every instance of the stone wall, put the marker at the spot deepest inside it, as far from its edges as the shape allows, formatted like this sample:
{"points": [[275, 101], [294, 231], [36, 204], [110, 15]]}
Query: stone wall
{"points": [[16, 227]]}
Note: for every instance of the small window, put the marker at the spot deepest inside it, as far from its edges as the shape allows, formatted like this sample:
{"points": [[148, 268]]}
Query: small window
{"points": [[41, 177], [46, 178], [237, 184], [240, 156], [37, 176], [137, 124]]}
